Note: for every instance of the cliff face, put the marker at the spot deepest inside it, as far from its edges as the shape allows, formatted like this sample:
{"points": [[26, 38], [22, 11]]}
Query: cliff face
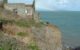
{"points": [[53, 35], [48, 37], [33, 35]]}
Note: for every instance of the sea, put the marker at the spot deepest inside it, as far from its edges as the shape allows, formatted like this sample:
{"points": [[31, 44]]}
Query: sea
{"points": [[68, 22]]}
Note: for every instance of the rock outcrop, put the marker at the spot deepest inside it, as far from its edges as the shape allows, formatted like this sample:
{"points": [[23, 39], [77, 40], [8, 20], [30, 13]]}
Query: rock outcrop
{"points": [[48, 37]]}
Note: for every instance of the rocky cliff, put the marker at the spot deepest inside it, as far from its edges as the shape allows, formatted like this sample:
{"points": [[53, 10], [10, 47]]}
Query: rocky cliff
{"points": [[48, 37], [28, 35]]}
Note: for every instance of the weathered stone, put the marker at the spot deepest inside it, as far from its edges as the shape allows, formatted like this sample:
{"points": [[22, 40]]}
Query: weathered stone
{"points": [[48, 37]]}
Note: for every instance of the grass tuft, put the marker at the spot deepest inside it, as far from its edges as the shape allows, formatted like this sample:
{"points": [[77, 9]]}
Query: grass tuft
{"points": [[33, 46], [22, 34]]}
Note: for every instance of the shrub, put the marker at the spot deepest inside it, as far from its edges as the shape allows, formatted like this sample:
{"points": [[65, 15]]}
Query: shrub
{"points": [[22, 34], [22, 23], [1, 48], [39, 24], [33, 46]]}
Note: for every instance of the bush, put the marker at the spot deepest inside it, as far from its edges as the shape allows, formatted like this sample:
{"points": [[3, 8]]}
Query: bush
{"points": [[11, 43], [22, 23], [39, 24], [1, 48], [5, 21], [22, 34], [33, 46]]}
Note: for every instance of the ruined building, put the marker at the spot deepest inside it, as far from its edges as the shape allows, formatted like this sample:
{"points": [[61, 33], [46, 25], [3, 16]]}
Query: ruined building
{"points": [[23, 10], [2, 2]]}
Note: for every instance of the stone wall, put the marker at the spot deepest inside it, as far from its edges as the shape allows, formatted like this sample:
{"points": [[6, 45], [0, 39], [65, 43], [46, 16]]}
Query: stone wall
{"points": [[36, 17], [1, 3], [20, 8]]}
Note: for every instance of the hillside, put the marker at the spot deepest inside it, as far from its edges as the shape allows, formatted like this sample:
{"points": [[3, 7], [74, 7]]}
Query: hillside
{"points": [[26, 34]]}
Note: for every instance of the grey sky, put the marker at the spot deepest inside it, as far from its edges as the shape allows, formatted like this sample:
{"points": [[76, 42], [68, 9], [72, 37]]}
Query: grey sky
{"points": [[53, 5]]}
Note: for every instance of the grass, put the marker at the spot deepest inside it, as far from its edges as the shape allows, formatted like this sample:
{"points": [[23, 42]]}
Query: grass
{"points": [[1, 48], [6, 21], [39, 24], [22, 34], [6, 47], [24, 23], [21, 23], [33, 46]]}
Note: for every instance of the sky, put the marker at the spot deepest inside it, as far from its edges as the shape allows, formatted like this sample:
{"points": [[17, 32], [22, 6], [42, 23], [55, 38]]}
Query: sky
{"points": [[52, 5]]}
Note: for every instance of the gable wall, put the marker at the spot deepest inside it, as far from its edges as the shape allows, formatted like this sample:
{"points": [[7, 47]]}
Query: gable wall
{"points": [[22, 10]]}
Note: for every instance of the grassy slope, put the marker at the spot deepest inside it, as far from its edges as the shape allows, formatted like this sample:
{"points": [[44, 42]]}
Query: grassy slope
{"points": [[9, 20]]}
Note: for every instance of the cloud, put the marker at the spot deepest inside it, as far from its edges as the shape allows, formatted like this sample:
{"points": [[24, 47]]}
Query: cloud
{"points": [[45, 5], [20, 1], [52, 5], [62, 2], [49, 5]]}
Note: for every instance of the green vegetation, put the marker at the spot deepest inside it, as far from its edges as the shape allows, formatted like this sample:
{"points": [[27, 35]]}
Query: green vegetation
{"points": [[10, 43], [22, 34], [24, 23], [1, 48], [6, 21], [39, 24], [33, 46]]}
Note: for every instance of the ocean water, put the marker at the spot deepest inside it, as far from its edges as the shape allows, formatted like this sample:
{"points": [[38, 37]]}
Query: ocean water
{"points": [[68, 22]]}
